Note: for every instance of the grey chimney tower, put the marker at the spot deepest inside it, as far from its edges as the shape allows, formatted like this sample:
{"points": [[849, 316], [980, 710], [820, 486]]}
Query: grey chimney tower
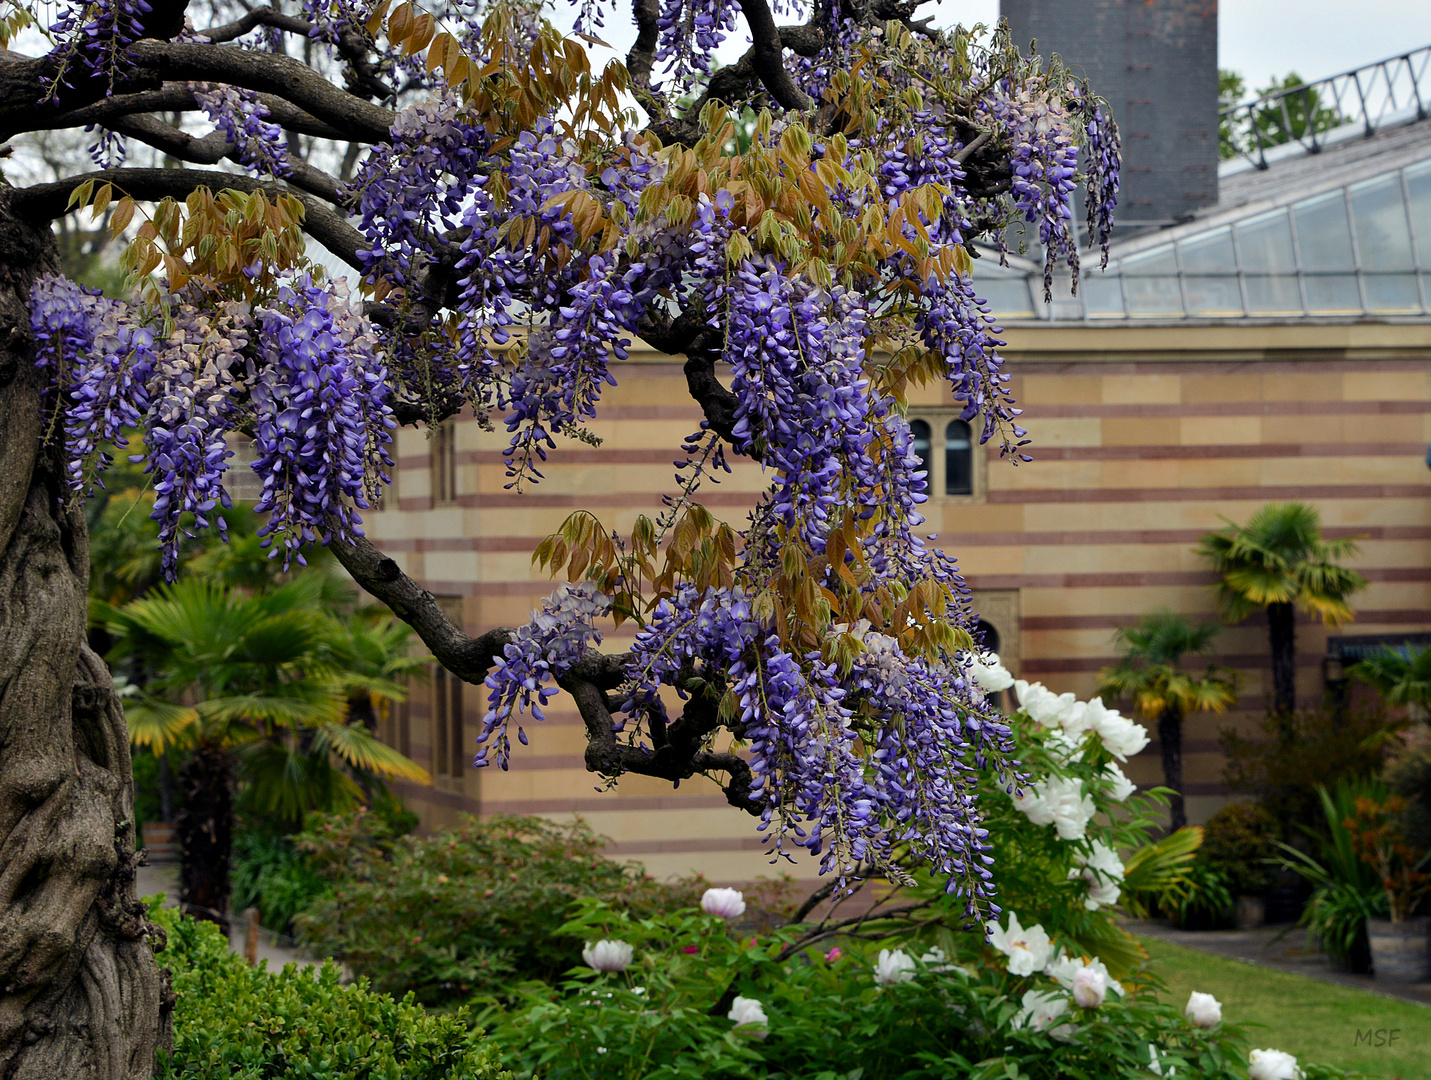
{"points": [[1155, 61]]}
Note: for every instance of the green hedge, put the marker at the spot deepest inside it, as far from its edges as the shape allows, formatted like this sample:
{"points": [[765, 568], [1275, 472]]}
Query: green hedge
{"points": [[234, 1022]]}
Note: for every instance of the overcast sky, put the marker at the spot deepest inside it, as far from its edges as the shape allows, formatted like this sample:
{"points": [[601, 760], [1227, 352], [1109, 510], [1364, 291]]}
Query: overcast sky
{"points": [[1258, 38]]}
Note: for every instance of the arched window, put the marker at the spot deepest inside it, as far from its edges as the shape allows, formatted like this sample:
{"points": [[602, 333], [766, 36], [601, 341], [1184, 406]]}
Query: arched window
{"points": [[920, 430], [958, 459], [987, 636]]}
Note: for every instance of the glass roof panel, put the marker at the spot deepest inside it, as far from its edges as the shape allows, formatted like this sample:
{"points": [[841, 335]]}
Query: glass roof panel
{"points": [[1150, 283], [1418, 188], [1382, 238], [1323, 239]]}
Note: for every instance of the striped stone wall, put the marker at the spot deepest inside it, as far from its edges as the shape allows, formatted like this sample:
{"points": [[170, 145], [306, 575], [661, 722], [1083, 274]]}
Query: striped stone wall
{"points": [[1144, 438]]}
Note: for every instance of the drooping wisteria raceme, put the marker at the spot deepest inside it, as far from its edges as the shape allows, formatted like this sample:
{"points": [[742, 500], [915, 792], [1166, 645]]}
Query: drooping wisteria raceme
{"points": [[516, 226]]}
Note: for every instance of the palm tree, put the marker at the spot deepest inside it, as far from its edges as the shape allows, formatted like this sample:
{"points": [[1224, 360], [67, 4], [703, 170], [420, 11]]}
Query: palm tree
{"points": [[1402, 676], [1278, 561], [1150, 675], [253, 688]]}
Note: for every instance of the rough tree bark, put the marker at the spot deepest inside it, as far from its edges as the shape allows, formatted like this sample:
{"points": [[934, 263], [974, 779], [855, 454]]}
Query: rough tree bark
{"points": [[1282, 631], [81, 995], [1170, 735], [204, 830]]}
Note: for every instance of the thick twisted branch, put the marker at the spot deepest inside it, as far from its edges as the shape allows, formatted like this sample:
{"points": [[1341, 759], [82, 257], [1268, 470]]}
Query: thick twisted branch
{"points": [[270, 74], [215, 147]]}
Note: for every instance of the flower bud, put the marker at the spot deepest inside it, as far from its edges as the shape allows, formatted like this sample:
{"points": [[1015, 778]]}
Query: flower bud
{"points": [[1089, 987], [725, 903], [607, 956], [1203, 1010]]}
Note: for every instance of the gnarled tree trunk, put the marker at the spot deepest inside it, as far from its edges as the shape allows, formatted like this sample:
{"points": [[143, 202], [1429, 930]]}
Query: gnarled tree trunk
{"points": [[81, 996]]}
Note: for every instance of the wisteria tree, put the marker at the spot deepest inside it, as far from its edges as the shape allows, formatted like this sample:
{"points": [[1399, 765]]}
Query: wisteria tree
{"points": [[512, 226]]}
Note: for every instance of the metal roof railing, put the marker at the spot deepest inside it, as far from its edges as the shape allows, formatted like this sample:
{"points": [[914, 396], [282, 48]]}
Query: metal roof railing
{"points": [[1390, 91]]}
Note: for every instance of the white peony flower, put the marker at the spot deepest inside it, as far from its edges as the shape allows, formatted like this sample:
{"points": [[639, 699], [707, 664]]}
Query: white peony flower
{"points": [[1272, 1065], [1028, 950], [1042, 705], [1032, 805], [1121, 737], [1103, 871], [748, 1013], [1064, 748], [1071, 809], [1090, 987], [894, 967], [1121, 787], [1077, 721], [727, 903], [1064, 969], [607, 956], [1203, 1010], [1040, 1010], [988, 674]]}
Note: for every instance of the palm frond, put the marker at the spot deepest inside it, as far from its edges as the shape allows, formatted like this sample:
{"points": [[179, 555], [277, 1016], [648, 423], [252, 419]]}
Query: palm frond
{"points": [[355, 745], [158, 724]]}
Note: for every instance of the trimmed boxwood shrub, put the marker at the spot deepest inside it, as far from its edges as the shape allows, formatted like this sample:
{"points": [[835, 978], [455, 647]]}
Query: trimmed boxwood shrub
{"points": [[234, 1022]]}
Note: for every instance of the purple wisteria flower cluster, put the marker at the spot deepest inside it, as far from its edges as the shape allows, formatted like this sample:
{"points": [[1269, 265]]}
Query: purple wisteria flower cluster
{"points": [[94, 38], [238, 113], [548, 646], [301, 372]]}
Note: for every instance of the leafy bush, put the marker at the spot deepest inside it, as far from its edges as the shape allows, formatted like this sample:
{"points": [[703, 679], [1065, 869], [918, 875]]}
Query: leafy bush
{"points": [[270, 874], [234, 1022], [1239, 841], [1208, 902], [1408, 774], [463, 912], [849, 1013], [1298, 753]]}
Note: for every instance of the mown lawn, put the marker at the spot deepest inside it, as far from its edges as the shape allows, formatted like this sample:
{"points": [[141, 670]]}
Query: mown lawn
{"points": [[1316, 1021]]}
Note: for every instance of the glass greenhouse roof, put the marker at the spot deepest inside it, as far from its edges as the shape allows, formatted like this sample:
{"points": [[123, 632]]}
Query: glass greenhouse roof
{"points": [[1343, 230]]}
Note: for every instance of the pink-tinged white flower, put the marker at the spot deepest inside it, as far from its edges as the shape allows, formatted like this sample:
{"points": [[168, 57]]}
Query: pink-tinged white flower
{"points": [[1071, 809], [1272, 1065], [1119, 786], [1064, 969], [1103, 871], [1203, 1010], [988, 674], [1090, 987], [1028, 950], [607, 956], [726, 903], [1042, 705], [749, 1015], [1040, 1009], [895, 966]]}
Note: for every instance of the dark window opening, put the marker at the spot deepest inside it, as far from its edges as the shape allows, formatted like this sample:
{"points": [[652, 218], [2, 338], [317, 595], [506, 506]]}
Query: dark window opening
{"points": [[448, 740], [443, 451], [920, 430], [986, 636], [958, 459]]}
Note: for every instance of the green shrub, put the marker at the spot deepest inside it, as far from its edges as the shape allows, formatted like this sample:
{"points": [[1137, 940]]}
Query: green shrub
{"points": [[1238, 842], [832, 1017], [234, 1022], [270, 874], [1295, 755], [1408, 774], [468, 911]]}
